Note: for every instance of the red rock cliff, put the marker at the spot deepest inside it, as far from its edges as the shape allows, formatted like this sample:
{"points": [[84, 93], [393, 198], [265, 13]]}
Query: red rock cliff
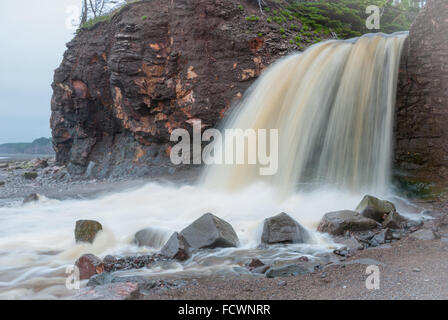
{"points": [[124, 85]]}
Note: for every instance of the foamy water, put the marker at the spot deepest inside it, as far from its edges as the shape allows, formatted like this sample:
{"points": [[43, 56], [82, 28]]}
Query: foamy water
{"points": [[333, 106], [37, 240]]}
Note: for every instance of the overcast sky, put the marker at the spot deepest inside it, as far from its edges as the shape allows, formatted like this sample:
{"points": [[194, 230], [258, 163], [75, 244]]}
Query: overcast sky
{"points": [[33, 34]]}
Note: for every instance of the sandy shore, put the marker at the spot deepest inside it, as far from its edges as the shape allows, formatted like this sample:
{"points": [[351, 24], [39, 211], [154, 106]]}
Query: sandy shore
{"points": [[409, 269]]}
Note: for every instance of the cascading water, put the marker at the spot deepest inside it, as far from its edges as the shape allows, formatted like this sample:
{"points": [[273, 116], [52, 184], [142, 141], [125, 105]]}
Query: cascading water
{"points": [[333, 106]]}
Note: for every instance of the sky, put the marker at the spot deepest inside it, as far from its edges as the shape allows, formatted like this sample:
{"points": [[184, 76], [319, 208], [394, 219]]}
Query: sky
{"points": [[33, 34]]}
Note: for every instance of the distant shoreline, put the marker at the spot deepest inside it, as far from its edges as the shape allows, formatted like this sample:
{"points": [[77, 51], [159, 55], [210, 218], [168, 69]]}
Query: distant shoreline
{"points": [[23, 157]]}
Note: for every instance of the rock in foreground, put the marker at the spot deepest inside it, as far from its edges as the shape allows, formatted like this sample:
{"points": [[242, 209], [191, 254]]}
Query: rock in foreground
{"points": [[394, 221], [86, 230], [149, 237], [283, 229], [89, 265], [210, 232], [287, 271], [374, 208], [112, 291], [337, 223], [176, 248]]}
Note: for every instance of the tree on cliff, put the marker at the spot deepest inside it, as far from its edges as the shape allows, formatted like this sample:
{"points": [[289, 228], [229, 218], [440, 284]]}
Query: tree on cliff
{"points": [[95, 8]]}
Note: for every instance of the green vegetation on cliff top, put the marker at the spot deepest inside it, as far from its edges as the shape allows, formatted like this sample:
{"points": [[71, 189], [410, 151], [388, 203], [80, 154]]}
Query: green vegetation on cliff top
{"points": [[347, 18]]}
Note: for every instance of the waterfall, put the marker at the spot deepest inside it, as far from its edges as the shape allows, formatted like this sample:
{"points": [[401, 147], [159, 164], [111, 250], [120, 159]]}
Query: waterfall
{"points": [[333, 106]]}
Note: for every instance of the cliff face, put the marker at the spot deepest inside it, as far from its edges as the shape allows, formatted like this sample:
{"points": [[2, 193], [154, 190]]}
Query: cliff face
{"points": [[421, 155], [124, 85]]}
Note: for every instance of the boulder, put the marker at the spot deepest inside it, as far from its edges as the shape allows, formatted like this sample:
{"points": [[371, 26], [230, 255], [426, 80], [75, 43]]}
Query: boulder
{"points": [[112, 291], [86, 230], [373, 214], [423, 234], [109, 259], [384, 236], [255, 263], [2, 183], [283, 229], [89, 265], [337, 223], [394, 221], [33, 197], [176, 248], [211, 232], [38, 163], [287, 271], [107, 278], [260, 270], [374, 208], [257, 266], [149, 237]]}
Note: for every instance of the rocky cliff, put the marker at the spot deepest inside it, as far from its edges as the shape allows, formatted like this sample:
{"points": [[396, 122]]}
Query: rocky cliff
{"points": [[158, 65], [421, 155], [125, 83]]}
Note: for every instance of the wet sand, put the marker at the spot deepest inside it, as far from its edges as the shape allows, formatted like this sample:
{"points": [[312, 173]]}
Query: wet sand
{"points": [[409, 269]]}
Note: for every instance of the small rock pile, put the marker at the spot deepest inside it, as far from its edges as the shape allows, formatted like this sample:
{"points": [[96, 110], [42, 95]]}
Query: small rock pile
{"points": [[374, 222]]}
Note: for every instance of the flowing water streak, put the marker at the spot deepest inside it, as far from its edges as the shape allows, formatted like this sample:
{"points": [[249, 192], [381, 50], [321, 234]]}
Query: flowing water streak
{"points": [[333, 106]]}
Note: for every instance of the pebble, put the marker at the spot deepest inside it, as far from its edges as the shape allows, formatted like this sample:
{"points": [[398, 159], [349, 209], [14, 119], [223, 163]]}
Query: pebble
{"points": [[282, 283], [416, 270]]}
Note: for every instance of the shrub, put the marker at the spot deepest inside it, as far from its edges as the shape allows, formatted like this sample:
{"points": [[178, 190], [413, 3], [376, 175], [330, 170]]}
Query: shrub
{"points": [[253, 18], [347, 17], [30, 175]]}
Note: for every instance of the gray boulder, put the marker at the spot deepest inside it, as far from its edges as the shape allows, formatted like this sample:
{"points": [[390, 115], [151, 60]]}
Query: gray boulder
{"points": [[381, 238], [86, 230], [112, 291], [33, 197], [394, 221], [287, 271], [210, 232], [149, 237], [176, 248], [374, 208], [337, 223], [88, 266], [423, 234], [283, 229]]}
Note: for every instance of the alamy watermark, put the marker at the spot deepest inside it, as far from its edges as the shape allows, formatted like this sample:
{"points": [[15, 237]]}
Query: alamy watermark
{"points": [[373, 20], [233, 147], [373, 279], [72, 282]]}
